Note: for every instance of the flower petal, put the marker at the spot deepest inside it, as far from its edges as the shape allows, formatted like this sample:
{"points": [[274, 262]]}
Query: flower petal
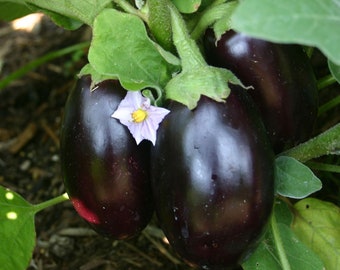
{"points": [[146, 129], [122, 114]]}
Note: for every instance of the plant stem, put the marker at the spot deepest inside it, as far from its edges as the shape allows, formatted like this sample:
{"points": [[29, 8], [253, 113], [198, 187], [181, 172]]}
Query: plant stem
{"points": [[51, 202], [327, 143], [125, 5], [326, 81], [329, 105], [324, 167], [279, 245], [40, 61]]}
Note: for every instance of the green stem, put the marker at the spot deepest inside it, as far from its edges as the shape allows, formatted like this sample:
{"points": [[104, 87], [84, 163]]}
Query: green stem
{"points": [[51, 202], [279, 245], [327, 143], [40, 61], [125, 5], [326, 81], [323, 167], [329, 105]]}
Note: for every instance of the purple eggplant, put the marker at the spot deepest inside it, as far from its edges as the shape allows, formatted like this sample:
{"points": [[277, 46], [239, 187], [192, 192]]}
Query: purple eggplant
{"points": [[213, 180], [106, 174], [285, 88]]}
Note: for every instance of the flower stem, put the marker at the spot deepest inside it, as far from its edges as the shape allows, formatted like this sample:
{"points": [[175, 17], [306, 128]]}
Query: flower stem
{"points": [[51, 202], [327, 143], [279, 245]]}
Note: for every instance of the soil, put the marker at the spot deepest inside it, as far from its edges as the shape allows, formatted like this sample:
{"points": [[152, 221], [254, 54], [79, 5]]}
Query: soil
{"points": [[31, 109]]}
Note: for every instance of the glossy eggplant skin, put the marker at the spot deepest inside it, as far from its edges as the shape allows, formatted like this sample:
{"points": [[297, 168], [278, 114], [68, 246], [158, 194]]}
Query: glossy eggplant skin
{"points": [[212, 180], [106, 174], [285, 88]]}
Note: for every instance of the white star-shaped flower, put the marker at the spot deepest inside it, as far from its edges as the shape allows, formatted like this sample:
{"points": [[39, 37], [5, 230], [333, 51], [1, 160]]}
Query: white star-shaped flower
{"points": [[141, 118]]}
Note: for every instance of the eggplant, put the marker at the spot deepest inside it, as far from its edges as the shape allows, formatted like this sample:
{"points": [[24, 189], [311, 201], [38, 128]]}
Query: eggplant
{"points": [[285, 88], [106, 175], [213, 180]]}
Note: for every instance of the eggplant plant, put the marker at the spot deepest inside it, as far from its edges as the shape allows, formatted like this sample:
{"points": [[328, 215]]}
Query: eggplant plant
{"points": [[170, 116]]}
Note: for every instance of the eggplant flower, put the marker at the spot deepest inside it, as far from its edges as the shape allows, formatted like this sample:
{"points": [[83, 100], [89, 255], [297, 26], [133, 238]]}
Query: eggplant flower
{"points": [[141, 118]]}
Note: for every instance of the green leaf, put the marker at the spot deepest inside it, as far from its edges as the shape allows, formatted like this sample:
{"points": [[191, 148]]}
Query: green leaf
{"points": [[280, 248], [224, 23], [215, 16], [121, 48], [187, 6], [309, 22], [197, 77], [69, 13], [11, 11], [60, 20], [95, 76], [188, 86], [317, 224], [335, 70], [17, 231], [294, 179]]}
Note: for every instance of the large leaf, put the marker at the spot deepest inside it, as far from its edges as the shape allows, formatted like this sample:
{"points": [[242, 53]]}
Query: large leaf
{"points": [[10, 11], [309, 22], [294, 179], [335, 70], [17, 231], [280, 242], [317, 224], [65, 13], [121, 48]]}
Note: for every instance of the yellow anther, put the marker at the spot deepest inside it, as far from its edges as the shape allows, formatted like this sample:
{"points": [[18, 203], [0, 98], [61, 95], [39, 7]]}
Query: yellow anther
{"points": [[139, 115]]}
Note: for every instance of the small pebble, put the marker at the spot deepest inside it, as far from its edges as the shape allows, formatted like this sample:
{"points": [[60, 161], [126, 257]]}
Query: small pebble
{"points": [[25, 165]]}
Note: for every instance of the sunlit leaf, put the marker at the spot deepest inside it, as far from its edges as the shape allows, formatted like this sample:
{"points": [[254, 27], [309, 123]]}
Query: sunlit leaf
{"points": [[17, 231], [294, 179], [84, 11], [309, 22], [317, 224], [335, 70], [267, 255], [122, 48], [68, 14]]}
